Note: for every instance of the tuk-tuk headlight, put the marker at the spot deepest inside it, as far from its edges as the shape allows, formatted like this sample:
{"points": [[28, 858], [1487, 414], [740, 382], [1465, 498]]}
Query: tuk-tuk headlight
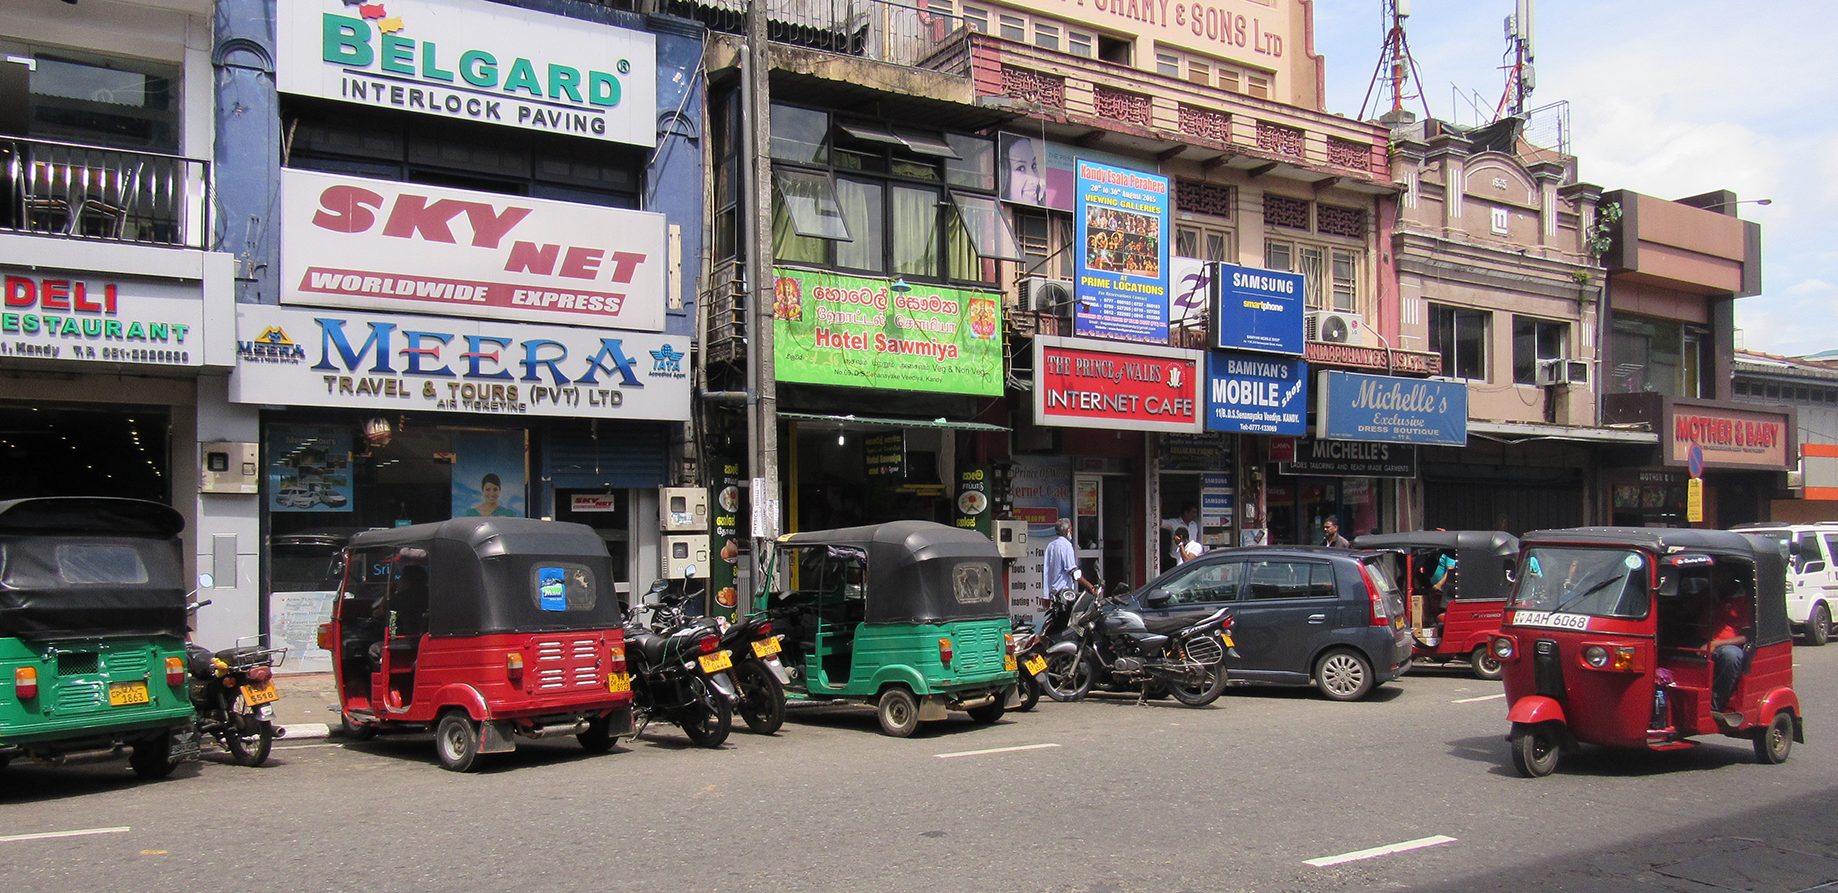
{"points": [[1596, 656], [1503, 648]]}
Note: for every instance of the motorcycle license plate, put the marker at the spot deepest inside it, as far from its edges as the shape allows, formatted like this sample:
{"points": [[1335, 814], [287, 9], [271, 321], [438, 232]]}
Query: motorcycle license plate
{"points": [[715, 663], [257, 695], [123, 694], [1035, 665], [766, 647], [1008, 663], [1227, 638], [618, 682]]}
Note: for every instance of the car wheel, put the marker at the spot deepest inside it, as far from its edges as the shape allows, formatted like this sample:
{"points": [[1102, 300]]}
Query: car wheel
{"points": [[898, 712], [1773, 743], [456, 742], [1486, 666], [152, 758], [1819, 625], [1535, 750], [1344, 675]]}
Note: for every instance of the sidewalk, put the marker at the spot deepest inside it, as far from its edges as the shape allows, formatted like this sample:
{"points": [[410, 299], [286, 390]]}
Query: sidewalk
{"points": [[308, 704]]}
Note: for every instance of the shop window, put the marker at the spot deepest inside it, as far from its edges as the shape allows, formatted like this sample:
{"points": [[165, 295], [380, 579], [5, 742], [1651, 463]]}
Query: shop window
{"points": [[1228, 80], [1535, 340], [799, 134], [809, 201], [862, 202], [1199, 72], [1343, 285], [1202, 242], [1650, 356], [1460, 336], [974, 166], [982, 220], [1257, 85], [1043, 238], [915, 230]]}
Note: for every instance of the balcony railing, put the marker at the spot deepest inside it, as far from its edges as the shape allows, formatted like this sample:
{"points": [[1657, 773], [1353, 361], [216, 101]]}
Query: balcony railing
{"points": [[878, 30], [116, 195]]}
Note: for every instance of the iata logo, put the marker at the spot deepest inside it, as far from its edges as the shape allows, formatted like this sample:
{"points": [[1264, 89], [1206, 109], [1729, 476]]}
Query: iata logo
{"points": [[271, 346], [667, 362]]}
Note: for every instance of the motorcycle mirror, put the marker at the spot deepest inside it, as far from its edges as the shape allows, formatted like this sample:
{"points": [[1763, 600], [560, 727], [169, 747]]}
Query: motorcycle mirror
{"points": [[206, 581]]}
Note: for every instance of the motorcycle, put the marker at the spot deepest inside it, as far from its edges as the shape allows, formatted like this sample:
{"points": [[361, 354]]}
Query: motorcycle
{"points": [[1025, 650], [233, 696], [1106, 642], [680, 672], [758, 675]]}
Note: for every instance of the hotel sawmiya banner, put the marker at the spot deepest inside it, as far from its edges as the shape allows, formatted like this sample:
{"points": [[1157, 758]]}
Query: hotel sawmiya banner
{"points": [[834, 329], [1121, 273]]}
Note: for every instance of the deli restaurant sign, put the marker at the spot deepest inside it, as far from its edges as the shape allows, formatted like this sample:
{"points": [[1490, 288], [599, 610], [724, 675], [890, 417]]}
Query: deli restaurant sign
{"points": [[380, 245], [1730, 438]]}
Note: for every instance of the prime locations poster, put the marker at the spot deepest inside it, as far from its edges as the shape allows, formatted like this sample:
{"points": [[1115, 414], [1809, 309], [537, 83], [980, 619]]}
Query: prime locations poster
{"points": [[1122, 268]]}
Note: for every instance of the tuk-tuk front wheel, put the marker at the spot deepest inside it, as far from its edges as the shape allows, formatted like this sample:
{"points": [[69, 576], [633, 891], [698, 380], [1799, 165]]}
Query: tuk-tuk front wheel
{"points": [[1535, 749], [898, 712], [1486, 666], [456, 741], [1773, 743]]}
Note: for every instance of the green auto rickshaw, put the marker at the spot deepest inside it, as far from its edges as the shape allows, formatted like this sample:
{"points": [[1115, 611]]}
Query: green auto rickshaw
{"points": [[92, 632], [907, 616]]}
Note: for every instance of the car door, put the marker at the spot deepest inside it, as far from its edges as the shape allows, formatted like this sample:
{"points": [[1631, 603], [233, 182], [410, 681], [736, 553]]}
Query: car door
{"points": [[1194, 591], [1286, 610], [1829, 580]]}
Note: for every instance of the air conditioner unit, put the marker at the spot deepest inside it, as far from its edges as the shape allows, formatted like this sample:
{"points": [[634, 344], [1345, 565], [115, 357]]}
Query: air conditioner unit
{"points": [[1043, 295], [1560, 371], [1337, 327]]}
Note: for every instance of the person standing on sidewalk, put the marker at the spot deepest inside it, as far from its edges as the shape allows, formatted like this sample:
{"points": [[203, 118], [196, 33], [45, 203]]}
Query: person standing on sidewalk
{"points": [[1060, 573], [1330, 534]]}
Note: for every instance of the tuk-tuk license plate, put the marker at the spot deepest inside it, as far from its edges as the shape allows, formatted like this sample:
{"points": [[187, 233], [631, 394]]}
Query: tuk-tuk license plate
{"points": [[123, 694], [618, 682], [257, 695], [715, 663], [766, 647], [1008, 663], [1035, 664]]}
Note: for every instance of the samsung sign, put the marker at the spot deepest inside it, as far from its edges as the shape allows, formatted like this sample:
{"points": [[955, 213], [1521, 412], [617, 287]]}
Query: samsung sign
{"points": [[1384, 409], [1258, 310], [483, 62]]}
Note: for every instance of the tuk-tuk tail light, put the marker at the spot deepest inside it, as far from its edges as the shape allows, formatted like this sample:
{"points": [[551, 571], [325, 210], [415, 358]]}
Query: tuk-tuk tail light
{"points": [[1008, 643], [617, 657], [944, 651], [708, 644], [175, 671], [25, 682], [513, 666]]}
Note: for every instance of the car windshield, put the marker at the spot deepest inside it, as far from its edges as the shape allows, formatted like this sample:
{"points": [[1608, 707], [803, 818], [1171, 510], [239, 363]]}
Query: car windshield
{"points": [[1595, 581]]}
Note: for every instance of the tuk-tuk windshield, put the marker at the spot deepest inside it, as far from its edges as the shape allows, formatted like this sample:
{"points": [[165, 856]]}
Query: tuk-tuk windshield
{"points": [[1596, 582]]}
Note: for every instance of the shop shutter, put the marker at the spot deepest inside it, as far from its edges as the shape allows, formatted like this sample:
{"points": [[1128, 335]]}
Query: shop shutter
{"points": [[626, 455]]}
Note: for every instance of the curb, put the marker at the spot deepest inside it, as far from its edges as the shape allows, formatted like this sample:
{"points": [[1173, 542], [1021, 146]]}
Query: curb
{"points": [[307, 730]]}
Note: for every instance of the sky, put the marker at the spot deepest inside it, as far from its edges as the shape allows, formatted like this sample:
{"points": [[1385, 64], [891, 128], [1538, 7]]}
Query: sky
{"points": [[1668, 98]]}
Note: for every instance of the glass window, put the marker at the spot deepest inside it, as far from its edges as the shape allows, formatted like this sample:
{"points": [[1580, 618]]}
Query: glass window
{"points": [[870, 132], [1535, 340], [976, 18], [99, 563], [1310, 262], [799, 134], [925, 143], [915, 231], [810, 201], [1692, 364], [1460, 336], [1199, 72], [1168, 64], [78, 97], [1646, 354], [1203, 583], [1078, 43], [1598, 582], [1046, 36], [1289, 579], [561, 586], [1345, 283], [988, 230], [1013, 28], [1201, 242], [1278, 256], [1258, 85], [863, 205], [975, 164], [1228, 80]]}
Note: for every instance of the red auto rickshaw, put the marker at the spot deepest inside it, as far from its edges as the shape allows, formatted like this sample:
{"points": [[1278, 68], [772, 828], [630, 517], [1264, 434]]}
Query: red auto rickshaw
{"points": [[1457, 582], [1609, 640], [484, 630]]}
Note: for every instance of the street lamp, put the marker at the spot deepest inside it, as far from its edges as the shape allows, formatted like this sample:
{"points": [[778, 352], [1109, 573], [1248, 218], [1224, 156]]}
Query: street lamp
{"points": [[1746, 201]]}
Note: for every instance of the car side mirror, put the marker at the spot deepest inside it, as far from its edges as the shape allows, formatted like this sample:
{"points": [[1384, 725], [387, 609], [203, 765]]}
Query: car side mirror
{"points": [[1158, 600], [1668, 583]]}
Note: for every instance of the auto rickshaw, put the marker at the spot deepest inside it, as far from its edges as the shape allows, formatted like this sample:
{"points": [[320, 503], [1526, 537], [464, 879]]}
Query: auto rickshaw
{"points": [[906, 616], [1457, 582], [482, 629], [1609, 639], [92, 632]]}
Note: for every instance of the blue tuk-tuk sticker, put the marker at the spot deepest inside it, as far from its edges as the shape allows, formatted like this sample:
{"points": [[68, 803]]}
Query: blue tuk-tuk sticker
{"points": [[551, 586]]}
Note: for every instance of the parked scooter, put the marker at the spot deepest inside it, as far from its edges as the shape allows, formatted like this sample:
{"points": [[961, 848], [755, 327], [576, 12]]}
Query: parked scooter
{"points": [[1024, 648], [679, 673], [1108, 642], [233, 695]]}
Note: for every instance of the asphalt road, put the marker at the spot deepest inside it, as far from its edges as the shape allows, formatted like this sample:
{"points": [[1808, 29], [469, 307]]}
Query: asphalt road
{"points": [[1104, 795]]}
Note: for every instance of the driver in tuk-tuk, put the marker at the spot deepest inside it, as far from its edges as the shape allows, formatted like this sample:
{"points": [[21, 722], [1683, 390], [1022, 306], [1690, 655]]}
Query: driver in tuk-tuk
{"points": [[1728, 633]]}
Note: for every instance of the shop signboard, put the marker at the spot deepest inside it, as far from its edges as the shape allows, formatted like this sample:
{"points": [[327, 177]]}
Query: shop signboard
{"points": [[476, 368], [464, 60], [1195, 452], [380, 245], [1346, 458], [1045, 174], [1216, 507], [1258, 310], [100, 318], [1190, 293], [972, 501], [1254, 394], [1084, 384], [1260, 35], [835, 329], [1121, 267], [1042, 494], [884, 453], [1386, 409], [1727, 437], [489, 474]]}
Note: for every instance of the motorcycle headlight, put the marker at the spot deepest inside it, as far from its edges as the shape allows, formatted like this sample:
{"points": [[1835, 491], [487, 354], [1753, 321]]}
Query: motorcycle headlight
{"points": [[1595, 656]]}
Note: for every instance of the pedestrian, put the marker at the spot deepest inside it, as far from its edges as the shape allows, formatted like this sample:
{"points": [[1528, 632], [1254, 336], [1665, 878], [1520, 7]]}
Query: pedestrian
{"points": [[1185, 549], [1059, 571], [1189, 520], [1330, 530]]}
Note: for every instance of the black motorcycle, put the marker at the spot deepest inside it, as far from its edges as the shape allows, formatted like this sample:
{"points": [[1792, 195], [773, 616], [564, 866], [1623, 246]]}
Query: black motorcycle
{"points": [[232, 698], [680, 675], [758, 673], [1107, 643]]}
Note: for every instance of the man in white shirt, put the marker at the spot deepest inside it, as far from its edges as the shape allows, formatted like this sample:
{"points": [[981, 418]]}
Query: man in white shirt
{"points": [[1186, 549], [1189, 521]]}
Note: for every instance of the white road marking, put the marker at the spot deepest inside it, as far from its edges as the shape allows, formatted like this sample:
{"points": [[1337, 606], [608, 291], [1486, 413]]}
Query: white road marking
{"points": [[1481, 698], [44, 835], [976, 753], [305, 746], [1376, 851]]}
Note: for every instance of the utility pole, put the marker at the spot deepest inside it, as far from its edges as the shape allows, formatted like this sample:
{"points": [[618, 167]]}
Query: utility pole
{"points": [[762, 385]]}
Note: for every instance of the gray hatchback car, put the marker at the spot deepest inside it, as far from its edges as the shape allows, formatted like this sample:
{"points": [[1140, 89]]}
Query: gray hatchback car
{"points": [[1331, 618]]}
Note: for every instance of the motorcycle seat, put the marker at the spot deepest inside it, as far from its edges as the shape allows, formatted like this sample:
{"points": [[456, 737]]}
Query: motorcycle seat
{"points": [[648, 645], [198, 661], [1150, 642]]}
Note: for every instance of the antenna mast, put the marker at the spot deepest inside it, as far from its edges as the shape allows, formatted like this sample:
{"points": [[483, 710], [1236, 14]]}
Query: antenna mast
{"points": [[1395, 67], [1519, 52]]}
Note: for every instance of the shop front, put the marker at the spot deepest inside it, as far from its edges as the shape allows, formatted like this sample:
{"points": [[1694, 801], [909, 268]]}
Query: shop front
{"points": [[1740, 454], [1362, 464]]}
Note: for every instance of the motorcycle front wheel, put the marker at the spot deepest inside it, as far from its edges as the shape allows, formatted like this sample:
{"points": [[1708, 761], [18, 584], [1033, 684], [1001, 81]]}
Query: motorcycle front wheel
{"points": [[246, 750], [1068, 676], [762, 698], [1200, 689]]}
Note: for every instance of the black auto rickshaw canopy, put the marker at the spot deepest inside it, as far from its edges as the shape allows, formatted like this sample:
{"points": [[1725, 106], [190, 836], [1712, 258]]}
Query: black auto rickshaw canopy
{"points": [[918, 571], [1681, 549], [90, 567], [504, 575], [1486, 558]]}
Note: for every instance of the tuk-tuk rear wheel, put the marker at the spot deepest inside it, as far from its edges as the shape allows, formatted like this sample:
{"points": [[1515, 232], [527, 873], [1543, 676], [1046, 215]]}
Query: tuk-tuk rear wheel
{"points": [[1535, 750], [598, 736], [1773, 743], [152, 758], [898, 712], [1486, 666], [456, 741]]}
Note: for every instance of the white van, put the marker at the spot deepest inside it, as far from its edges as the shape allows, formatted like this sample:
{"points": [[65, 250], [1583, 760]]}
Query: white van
{"points": [[1812, 574]]}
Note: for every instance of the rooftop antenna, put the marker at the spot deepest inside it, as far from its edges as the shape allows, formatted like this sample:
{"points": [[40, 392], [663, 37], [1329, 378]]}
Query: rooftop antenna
{"points": [[1395, 67], [1519, 53]]}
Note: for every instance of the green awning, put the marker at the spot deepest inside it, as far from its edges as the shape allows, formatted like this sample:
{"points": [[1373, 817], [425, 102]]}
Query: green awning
{"points": [[883, 422]]}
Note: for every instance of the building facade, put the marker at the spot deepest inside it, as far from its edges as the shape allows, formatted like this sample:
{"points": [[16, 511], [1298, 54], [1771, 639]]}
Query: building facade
{"points": [[1808, 386]]}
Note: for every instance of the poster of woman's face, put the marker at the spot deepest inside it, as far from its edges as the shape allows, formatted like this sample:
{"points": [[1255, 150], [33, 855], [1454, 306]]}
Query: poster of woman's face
{"points": [[488, 475], [1024, 169]]}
